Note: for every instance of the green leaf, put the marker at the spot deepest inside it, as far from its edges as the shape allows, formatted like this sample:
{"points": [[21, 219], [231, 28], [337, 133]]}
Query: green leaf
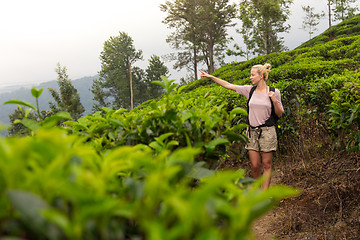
{"points": [[156, 146], [27, 111], [19, 102], [235, 137], [210, 147], [30, 124], [199, 171], [181, 88], [163, 137], [161, 84], [53, 120], [186, 154], [237, 111], [106, 109], [36, 93], [58, 219], [186, 115]]}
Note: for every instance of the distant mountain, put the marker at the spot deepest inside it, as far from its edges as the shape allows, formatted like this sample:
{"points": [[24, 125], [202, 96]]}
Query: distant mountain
{"points": [[83, 86]]}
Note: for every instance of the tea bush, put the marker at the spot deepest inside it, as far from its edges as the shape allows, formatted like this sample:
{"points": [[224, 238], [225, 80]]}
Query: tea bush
{"points": [[345, 111], [55, 186], [148, 173], [205, 118]]}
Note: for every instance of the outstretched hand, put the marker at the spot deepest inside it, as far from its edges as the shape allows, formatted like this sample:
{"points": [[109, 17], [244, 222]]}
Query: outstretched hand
{"points": [[204, 74]]}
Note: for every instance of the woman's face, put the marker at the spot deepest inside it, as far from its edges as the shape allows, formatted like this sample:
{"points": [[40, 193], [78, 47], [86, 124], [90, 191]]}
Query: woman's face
{"points": [[255, 77]]}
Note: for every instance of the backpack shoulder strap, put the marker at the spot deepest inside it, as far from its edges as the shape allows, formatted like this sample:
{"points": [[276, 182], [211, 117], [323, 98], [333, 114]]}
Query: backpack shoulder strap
{"points": [[272, 89], [252, 90], [250, 95]]}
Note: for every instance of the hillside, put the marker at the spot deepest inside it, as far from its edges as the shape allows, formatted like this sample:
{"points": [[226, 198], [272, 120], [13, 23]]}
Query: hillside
{"points": [[319, 139], [175, 167], [83, 86]]}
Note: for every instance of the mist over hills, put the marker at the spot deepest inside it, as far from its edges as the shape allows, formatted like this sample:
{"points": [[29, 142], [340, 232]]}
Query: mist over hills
{"points": [[83, 86]]}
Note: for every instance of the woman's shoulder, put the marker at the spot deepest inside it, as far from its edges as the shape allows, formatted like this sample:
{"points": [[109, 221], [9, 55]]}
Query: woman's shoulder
{"points": [[276, 90], [244, 87], [243, 90]]}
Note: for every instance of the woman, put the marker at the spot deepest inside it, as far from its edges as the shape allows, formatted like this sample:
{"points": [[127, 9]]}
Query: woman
{"points": [[264, 107]]}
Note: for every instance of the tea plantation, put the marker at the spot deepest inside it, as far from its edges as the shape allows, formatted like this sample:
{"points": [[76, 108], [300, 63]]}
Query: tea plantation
{"points": [[154, 172]]}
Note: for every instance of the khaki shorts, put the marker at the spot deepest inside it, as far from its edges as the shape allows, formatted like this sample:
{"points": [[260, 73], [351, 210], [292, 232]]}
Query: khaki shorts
{"points": [[262, 139]]}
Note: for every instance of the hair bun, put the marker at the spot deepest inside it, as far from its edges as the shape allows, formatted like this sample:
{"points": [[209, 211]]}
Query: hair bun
{"points": [[267, 66]]}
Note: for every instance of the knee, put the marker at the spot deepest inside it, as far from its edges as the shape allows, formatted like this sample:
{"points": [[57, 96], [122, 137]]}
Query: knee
{"points": [[267, 165], [256, 166]]}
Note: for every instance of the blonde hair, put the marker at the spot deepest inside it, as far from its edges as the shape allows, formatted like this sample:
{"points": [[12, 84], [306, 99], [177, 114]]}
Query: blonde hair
{"points": [[263, 70]]}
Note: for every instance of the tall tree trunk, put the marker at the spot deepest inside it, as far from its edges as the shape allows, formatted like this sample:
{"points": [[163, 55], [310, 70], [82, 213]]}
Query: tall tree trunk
{"points": [[211, 58], [265, 36], [131, 89], [195, 63], [329, 5], [265, 45]]}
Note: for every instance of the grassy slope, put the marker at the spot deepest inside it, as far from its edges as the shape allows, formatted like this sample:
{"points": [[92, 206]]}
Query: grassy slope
{"points": [[312, 157]]}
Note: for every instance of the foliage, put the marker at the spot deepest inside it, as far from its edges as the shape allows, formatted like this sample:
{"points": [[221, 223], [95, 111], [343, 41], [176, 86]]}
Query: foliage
{"points": [[25, 122], [201, 24], [306, 77], [128, 192], [193, 121], [345, 110], [154, 71], [16, 128], [342, 9], [262, 22], [311, 19], [67, 99], [149, 173], [115, 83], [157, 188], [347, 28]]}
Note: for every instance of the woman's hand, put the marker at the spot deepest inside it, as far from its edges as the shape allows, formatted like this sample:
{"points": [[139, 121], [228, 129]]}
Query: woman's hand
{"points": [[204, 74], [219, 81], [272, 96], [278, 110]]}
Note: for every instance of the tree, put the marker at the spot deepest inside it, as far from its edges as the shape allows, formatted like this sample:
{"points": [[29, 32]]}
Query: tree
{"points": [[154, 71], [201, 26], [140, 86], [340, 10], [311, 19], [188, 56], [17, 128], [100, 96], [237, 51], [67, 99], [115, 83], [262, 21]]}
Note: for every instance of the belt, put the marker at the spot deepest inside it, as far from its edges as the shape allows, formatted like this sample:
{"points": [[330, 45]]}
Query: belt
{"points": [[258, 130]]}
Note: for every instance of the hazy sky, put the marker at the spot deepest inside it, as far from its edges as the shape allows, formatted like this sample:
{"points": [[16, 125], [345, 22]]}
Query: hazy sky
{"points": [[37, 34]]}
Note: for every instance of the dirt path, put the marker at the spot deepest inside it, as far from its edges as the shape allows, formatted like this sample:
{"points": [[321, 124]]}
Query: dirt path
{"points": [[263, 227]]}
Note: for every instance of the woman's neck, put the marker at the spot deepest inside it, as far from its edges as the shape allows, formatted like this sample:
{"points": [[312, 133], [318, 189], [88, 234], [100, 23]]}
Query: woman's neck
{"points": [[261, 86]]}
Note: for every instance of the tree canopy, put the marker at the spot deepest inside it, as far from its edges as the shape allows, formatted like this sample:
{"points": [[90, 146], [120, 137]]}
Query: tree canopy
{"points": [[262, 22], [67, 99], [115, 85], [201, 26]]}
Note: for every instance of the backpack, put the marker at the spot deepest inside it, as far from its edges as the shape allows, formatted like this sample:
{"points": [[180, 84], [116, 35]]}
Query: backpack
{"points": [[272, 120]]}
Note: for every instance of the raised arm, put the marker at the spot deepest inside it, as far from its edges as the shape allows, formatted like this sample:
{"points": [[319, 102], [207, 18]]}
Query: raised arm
{"points": [[277, 106], [219, 81]]}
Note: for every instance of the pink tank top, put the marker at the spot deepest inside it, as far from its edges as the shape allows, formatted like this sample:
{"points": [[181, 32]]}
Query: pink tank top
{"points": [[259, 105]]}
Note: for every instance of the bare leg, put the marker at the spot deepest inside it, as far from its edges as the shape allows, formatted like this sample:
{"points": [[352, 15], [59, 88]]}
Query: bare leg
{"points": [[267, 164], [255, 159]]}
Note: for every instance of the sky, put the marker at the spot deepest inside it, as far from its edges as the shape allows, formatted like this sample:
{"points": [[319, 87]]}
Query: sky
{"points": [[38, 34]]}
